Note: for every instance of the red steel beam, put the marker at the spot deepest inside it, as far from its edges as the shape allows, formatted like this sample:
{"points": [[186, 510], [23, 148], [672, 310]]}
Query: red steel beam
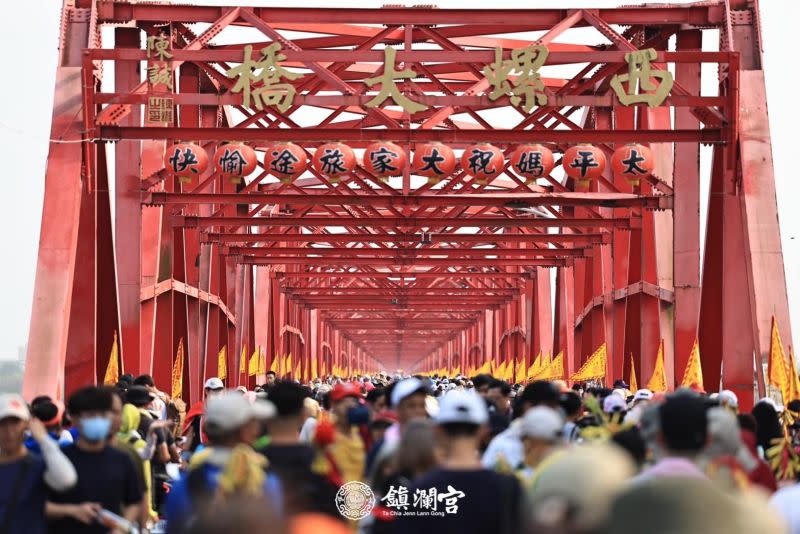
{"points": [[454, 137], [190, 221], [321, 198], [576, 239], [367, 253], [536, 19]]}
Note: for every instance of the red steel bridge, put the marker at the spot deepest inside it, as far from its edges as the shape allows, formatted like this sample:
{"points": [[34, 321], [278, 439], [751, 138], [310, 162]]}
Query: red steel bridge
{"points": [[366, 273]]}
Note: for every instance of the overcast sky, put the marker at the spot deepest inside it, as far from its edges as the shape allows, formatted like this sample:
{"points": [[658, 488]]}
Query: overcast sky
{"points": [[27, 97]]}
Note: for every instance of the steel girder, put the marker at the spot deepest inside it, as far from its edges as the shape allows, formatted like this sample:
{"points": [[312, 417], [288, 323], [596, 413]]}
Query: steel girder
{"points": [[366, 273]]}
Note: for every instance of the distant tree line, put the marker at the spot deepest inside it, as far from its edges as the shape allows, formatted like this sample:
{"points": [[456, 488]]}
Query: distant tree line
{"points": [[11, 376]]}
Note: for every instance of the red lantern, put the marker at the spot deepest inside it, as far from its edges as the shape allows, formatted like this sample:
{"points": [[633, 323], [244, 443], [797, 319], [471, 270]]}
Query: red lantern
{"points": [[334, 160], [385, 159], [234, 161], [483, 162], [285, 161], [532, 161], [434, 161], [584, 163], [632, 162], [186, 160]]}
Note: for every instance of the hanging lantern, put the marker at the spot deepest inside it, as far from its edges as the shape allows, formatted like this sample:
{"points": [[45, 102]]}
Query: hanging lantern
{"points": [[632, 162], [334, 160], [482, 162], [385, 159], [532, 161], [234, 161], [584, 163], [186, 160], [434, 161], [285, 161]]}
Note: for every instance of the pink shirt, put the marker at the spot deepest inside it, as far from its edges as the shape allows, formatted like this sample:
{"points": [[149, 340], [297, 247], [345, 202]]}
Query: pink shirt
{"points": [[672, 467]]}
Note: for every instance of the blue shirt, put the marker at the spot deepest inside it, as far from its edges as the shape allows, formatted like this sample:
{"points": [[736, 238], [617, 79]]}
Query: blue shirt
{"points": [[179, 502], [32, 445], [28, 513]]}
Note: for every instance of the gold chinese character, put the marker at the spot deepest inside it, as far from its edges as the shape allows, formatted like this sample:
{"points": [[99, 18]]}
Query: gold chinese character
{"points": [[160, 109], [270, 93], [640, 78], [525, 63], [159, 44], [389, 87], [160, 74]]}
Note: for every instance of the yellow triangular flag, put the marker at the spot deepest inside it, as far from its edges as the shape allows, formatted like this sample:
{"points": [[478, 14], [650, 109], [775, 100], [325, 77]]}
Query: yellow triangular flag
{"points": [[314, 374], [296, 374], [658, 382], [534, 368], [287, 364], [594, 367], [500, 372], [243, 360], [262, 362], [794, 381], [693, 374], [519, 370], [112, 371], [222, 363], [554, 370], [252, 365], [485, 368], [778, 372], [457, 371], [633, 384], [177, 372]]}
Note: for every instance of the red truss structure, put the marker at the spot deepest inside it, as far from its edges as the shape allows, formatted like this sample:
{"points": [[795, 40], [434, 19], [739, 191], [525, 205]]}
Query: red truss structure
{"points": [[367, 273]]}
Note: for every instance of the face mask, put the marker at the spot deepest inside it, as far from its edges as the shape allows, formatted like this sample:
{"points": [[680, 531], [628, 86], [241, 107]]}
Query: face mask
{"points": [[358, 415], [95, 428]]}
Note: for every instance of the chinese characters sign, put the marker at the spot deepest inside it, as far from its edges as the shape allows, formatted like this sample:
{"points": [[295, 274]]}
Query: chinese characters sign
{"points": [[264, 83], [159, 75], [260, 81], [528, 85], [639, 80], [430, 502]]}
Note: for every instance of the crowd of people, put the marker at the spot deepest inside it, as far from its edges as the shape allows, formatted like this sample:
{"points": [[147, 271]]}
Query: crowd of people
{"points": [[394, 453]]}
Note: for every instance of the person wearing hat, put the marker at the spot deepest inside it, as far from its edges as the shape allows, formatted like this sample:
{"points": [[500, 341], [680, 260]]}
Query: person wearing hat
{"points": [[108, 479], [228, 465], [407, 399], [505, 452], [25, 476], [542, 436], [576, 490], [51, 414], [470, 497], [343, 452], [193, 423]]}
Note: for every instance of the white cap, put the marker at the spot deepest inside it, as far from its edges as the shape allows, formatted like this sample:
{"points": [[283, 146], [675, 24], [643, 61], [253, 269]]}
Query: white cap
{"points": [[614, 403], [727, 397], [643, 394], [231, 410], [778, 408], [462, 407], [12, 405], [406, 388], [214, 383], [542, 422]]}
